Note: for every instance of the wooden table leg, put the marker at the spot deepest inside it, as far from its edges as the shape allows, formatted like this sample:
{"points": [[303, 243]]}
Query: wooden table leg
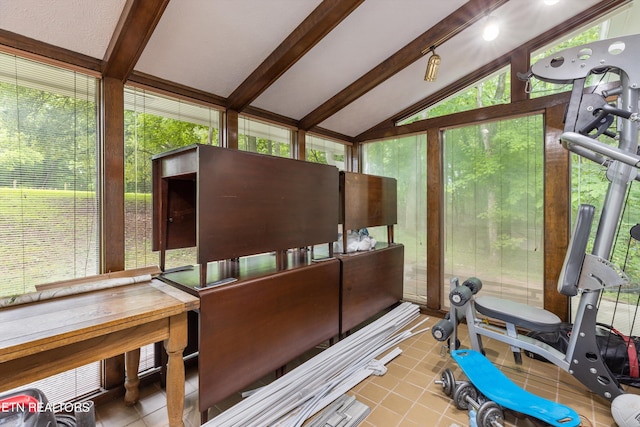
{"points": [[131, 383], [175, 345]]}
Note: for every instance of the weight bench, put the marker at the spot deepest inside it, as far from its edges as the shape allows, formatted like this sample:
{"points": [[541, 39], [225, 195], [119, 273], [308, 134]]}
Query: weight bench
{"points": [[581, 272], [517, 315]]}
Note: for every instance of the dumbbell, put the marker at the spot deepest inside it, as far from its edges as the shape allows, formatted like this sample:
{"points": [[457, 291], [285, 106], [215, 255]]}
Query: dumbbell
{"points": [[464, 394], [488, 413]]}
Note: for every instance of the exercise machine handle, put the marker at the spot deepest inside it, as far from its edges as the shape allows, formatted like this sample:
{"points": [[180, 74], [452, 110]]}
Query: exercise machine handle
{"points": [[596, 150]]}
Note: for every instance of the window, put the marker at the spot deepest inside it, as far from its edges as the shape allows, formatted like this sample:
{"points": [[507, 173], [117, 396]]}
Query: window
{"points": [[493, 90], [48, 199], [263, 138], [618, 23], [589, 184], [320, 150], [155, 124], [405, 159], [493, 229]]}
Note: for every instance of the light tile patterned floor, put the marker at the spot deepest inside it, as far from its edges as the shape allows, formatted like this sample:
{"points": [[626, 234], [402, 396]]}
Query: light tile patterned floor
{"points": [[406, 396]]}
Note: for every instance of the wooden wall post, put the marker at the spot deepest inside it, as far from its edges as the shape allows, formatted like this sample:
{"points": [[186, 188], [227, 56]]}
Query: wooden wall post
{"points": [[112, 218], [230, 131], [435, 219], [557, 210], [300, 145]]}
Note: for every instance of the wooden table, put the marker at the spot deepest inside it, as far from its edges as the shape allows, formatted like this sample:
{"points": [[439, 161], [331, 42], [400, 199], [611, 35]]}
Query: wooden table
{"points": [[49, 337], [261, 320]]}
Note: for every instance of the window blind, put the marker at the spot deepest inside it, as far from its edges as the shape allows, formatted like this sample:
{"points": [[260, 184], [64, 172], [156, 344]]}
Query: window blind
{"points": [[263, 138], [405, 159], [48, 200], [494, 210], [154, 124], [321, 150]]}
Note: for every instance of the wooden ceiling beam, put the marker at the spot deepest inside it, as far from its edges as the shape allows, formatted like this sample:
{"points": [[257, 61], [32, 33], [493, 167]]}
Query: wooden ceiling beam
{"points": [[462, 18], [137, 22], [38, 50], [318, 24], [173, 89]]}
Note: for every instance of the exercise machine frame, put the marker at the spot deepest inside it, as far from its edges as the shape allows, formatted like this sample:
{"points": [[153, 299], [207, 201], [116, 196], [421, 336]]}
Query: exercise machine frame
{"points": [[589, 115]]}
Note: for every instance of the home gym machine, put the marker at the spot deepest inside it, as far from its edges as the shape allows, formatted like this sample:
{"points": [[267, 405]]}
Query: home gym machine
{"points": [[589, 115]]}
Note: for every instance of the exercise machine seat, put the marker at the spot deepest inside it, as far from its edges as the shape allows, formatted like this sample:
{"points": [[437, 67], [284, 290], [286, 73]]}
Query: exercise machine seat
{"points": [[518, 314]]}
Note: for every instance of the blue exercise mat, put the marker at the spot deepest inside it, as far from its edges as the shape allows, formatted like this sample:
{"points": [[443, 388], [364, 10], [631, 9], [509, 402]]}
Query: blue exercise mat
{"points": [[496, 386]]}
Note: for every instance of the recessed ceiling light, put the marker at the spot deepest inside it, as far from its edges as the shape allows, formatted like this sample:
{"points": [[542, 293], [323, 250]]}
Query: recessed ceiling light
{"points": [[491, 29]]}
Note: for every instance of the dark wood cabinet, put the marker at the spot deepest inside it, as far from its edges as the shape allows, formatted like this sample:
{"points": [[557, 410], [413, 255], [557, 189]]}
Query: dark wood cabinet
{"points": [[231, 203], [371, 281], [265, 296]]}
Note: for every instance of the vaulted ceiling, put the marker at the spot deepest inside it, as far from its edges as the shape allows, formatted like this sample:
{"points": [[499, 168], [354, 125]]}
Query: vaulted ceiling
{"points": [[336, 66]]}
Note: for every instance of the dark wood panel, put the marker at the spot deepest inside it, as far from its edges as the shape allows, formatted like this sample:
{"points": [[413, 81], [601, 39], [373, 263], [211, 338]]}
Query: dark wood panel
{"points": [[48, 53], [367, 200], [173, 89], [181, 206], [250, 328], [557, 210], [435, 219], [113, 187], [270, 204], [371, 282], [133, 31]]}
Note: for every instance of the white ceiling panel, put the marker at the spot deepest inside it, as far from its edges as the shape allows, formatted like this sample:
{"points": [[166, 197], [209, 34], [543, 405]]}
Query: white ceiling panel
{"points": [[368, 36], [214, 45], [78, 25], [462, 54]]}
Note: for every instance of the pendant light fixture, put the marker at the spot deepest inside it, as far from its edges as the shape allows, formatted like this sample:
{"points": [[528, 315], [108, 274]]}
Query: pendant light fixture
{"points": [[432, 66]]}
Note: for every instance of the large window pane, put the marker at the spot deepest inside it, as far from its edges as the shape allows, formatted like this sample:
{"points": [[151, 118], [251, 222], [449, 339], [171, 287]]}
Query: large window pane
{"points": [[48, 199], [492, 90], [494, 207], [618, 305], [321, 150], [155, 124], [405, 159], [264, 138]]}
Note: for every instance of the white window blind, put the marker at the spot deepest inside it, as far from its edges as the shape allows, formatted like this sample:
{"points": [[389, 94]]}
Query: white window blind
{"points": [[322, 150], [264, 138], [154, 124], [48, 201], [494, 217], [405, 159]]}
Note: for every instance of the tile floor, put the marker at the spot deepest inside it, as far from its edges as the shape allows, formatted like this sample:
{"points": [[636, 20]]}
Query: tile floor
{"points": [[406, 396]]}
